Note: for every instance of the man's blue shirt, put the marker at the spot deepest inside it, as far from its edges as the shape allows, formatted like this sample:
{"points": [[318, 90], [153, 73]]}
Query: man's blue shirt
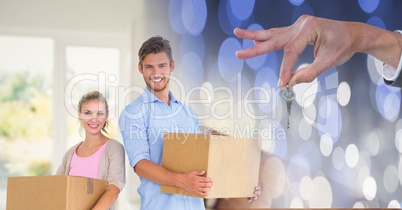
{"points": [[142, 124]]}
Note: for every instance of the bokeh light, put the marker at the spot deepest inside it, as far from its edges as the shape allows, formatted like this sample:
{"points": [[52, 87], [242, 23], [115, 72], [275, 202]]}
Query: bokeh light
{"points": [[310, 151], [322, 193], [227, 21], [280, 140], [390, 178], [175, 18], [369, 5], [343, 94], [275, 177], [400, 170], [265, 82], [296, 203], [363, 173], [207, 94], [374, 68], [296, 2], [306, 92], [351, 155], [369, 188], [306, 188], [256, 62], [376, 21], [398, 135], [229, 65], [329, 119], [297, 168], [388, 100], [305, 129], [373, 146], [194, 44], [394, 204], [191, 68], [310, 114], [338, 158], [194, 16], [242, 9], [326, 145]]}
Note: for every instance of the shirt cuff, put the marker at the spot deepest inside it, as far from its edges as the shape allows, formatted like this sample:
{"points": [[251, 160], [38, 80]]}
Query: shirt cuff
{"points": [[389, 72]]}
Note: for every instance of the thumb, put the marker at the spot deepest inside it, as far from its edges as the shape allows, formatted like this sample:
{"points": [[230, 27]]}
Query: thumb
{"points": [[305, 74], [199, 173]]}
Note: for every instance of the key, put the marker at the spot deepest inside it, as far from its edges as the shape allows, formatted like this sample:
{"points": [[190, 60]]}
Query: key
{"points": [[288, 95]]}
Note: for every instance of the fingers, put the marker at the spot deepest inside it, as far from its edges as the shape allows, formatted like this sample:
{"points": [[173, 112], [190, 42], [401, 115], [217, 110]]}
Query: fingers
{"points": [[252, 34], [290, 57], [293, 39], [198, 184], [301, 37], [198, 173], [310, 72], [265, 41], [256, 192], [204, 188]]}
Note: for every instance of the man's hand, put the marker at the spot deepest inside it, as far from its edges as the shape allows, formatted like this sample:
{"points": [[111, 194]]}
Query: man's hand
{"points": [[257, 192], [334, 44], [194, 182]]}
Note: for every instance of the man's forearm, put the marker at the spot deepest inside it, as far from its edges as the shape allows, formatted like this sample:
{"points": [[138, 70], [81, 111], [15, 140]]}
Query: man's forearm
{"points": [[156, 173]]}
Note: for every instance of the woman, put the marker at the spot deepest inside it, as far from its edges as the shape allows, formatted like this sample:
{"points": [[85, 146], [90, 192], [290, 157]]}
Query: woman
{"points": [[97, 156]]}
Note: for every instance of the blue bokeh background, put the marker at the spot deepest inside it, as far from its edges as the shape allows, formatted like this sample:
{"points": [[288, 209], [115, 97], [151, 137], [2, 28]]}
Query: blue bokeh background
{"points": [[344, 145]]}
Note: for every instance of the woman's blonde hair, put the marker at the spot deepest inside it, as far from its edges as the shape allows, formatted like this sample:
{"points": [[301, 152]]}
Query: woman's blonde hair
{"points": [[95, 95]]}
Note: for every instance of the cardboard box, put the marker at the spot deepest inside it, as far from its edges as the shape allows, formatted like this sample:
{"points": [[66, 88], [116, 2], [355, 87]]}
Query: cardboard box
{"points": [[59, 192], [233, 164]]}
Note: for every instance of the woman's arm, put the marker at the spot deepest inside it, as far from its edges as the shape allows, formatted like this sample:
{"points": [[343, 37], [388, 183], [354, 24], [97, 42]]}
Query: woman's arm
{"points": [[115, 177], [108, 198]]}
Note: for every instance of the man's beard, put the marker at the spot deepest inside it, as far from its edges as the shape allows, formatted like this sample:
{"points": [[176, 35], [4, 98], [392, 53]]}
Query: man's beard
{"points": [[151, 87]]}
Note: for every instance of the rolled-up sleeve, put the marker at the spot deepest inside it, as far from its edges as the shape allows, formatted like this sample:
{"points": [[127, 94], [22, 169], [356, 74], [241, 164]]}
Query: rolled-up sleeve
{"points": [[134, 132]]}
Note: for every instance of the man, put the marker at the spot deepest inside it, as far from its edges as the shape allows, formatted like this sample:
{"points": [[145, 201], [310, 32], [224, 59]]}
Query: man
{"points": [[142, 124]]}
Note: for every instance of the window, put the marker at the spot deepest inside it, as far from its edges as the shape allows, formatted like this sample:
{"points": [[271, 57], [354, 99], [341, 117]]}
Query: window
{"points": [[26, 107], [41, 82], [88, 69]]}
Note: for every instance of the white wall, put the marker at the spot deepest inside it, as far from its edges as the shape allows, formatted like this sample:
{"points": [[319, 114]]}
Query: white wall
{"points": [[111, 16]]}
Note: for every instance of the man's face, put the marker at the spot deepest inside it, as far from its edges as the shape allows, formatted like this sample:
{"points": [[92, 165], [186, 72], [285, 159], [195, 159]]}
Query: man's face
{"points": [[156, 70]]}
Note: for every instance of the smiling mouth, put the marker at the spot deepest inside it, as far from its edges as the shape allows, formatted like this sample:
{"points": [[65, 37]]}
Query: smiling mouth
{"points": [[157, 78], [93, 125]]}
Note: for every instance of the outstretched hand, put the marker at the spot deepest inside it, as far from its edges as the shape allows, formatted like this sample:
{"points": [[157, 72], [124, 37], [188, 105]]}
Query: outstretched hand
{"points": [[333, 45]]}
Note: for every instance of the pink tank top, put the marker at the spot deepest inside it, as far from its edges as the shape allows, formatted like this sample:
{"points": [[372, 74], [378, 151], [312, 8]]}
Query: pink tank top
{"points": [[86, 166]]}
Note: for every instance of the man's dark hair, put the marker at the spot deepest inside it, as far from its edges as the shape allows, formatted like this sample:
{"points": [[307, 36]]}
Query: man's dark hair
{"points": [[155, 45]]}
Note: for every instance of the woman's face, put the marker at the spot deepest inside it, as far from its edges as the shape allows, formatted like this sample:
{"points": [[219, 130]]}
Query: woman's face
{"points": [[93, 116]]}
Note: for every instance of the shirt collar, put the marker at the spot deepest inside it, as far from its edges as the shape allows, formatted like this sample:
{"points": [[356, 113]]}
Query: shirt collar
{"points": [[149, 97]]}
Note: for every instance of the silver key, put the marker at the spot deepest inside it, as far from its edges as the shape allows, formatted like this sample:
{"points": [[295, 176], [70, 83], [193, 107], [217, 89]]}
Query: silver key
{"points": [[288, 95]]}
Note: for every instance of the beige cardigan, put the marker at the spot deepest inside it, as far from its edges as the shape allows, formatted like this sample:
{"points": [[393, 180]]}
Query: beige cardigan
{"points": [[111, 167]]}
